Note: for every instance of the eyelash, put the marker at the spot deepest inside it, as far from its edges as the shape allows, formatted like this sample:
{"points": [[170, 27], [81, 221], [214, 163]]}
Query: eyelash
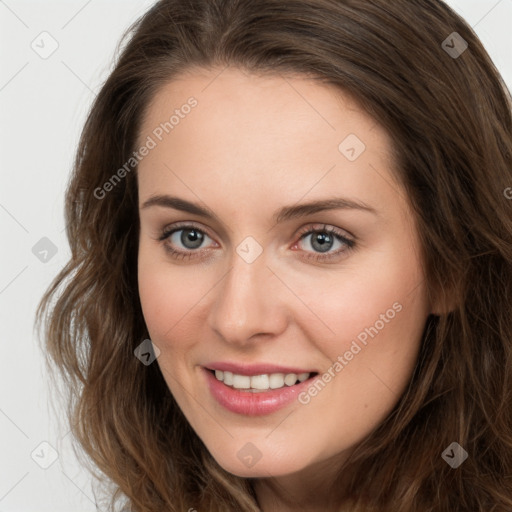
{"points": [[190, 254]]}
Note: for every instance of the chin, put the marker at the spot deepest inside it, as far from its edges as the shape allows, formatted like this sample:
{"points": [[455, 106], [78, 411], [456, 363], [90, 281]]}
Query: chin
{"points": [[265, 467]]}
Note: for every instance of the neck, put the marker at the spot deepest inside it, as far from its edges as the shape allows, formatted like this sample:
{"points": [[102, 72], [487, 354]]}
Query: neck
{"points": [[306, 491]]}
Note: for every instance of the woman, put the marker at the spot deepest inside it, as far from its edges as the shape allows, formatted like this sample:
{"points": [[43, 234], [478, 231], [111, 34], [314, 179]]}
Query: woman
{"points": [[291, 262]]}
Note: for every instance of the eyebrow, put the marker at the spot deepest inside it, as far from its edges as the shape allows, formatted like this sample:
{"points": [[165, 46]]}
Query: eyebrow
{"points": [[283, 214]]}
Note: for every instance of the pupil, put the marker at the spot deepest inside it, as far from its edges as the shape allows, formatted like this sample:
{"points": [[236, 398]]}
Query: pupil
{"points": [[324, 240], [191, 235]]}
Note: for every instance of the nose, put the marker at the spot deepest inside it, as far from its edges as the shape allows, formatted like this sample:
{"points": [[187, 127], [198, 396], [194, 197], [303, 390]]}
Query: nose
{"points": [[249, 303]]}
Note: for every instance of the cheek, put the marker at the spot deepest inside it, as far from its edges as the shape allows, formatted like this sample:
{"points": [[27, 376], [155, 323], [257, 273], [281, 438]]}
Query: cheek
{"points": [[343, 305], [160, 293], [171, 297]]}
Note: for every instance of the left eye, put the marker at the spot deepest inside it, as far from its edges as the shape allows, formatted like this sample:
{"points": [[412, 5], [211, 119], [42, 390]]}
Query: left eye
{"points": [[323, 239]]}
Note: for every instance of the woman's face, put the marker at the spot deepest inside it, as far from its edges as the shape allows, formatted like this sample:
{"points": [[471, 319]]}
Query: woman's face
{"points": [[250, 293]]}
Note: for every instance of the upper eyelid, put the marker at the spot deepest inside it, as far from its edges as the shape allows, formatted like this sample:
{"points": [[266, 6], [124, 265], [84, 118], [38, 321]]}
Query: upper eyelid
{"points": [[167, 230], [306, 230], [322, 226]]}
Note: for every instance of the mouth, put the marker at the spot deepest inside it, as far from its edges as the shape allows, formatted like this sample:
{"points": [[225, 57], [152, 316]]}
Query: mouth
{"points": [[258, 394], [260, 383]]}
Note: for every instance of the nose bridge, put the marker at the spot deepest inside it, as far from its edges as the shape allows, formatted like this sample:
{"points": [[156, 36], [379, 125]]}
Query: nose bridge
{"points": [[246, 302]]}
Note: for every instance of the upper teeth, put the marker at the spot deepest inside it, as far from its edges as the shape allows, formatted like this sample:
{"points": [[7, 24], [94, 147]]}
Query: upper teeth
{"points": [[260, 382]]}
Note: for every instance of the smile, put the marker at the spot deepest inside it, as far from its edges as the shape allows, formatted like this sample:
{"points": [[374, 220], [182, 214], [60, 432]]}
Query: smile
{"points": [[260, 383], [255, 395]]}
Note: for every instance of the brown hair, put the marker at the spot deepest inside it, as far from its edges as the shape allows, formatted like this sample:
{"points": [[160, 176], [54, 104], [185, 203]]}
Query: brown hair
{"points": [[450, 121]]}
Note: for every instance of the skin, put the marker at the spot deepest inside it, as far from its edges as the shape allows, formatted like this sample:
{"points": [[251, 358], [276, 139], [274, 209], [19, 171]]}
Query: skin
{"points": [[252, 145]]}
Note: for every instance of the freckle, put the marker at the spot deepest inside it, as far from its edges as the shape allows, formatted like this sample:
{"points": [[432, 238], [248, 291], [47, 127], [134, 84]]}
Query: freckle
{"points": [[365, 406]]}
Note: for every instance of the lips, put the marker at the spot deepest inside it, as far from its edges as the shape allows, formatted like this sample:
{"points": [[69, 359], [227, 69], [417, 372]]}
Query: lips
{"points": [[256, 369], [254, 402]]}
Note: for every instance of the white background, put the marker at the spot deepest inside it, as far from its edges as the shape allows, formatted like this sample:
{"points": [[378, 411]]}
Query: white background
{"points": [[43, 103]]}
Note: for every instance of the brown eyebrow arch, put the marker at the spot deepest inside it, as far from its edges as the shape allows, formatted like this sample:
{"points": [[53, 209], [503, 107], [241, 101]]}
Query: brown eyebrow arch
{"points": [[283, 214]]}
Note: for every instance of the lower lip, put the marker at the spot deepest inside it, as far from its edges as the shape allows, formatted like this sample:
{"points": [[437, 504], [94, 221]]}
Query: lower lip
{"points": [[253, 404]]}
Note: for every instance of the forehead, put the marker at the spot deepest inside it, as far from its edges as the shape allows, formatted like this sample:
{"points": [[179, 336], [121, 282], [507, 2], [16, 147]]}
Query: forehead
{"points": [[230, 99], [264, 136]]}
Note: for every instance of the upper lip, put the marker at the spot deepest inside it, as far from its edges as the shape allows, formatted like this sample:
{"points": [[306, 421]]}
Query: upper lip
{"points": [[254, 369]]}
